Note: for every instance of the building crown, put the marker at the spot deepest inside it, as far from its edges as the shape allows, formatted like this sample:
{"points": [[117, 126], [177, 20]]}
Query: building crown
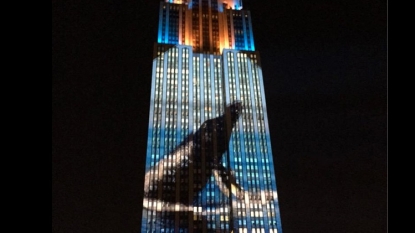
{"points": [[227, 4]]}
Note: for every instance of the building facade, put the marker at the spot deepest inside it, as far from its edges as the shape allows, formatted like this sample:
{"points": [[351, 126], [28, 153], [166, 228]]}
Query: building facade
{"points": [[209, 164]]}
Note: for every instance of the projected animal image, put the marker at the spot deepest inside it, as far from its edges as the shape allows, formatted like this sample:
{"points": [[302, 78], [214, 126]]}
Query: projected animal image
{"points": [[193, 161]]}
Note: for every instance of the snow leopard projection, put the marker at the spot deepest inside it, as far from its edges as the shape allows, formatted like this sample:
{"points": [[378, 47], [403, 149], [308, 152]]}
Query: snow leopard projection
{"points": [[192, 163]]}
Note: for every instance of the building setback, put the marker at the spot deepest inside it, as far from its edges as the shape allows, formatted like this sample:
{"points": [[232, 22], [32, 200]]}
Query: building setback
{"points": [[209, 164]]}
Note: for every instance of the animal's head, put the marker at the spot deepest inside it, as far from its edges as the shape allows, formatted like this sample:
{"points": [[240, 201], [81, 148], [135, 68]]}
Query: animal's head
{"points": [[234, 110]]}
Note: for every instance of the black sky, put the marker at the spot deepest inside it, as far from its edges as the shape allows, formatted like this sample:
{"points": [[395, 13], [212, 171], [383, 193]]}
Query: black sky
{"points": [[325, 73]]}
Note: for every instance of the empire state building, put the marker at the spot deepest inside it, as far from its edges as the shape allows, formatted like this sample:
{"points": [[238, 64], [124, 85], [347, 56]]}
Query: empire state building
{"points": [[209, 164]]}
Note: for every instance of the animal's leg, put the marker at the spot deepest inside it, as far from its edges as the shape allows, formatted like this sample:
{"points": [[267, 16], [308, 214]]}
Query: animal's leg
{"points": [[224, 177]]}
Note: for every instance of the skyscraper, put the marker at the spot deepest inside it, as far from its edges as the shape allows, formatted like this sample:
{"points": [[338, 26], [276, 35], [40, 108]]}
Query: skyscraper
{"points": [[209, 164]]}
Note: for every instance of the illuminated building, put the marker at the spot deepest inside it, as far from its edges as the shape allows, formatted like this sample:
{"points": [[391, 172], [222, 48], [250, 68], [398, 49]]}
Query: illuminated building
{"points": [[205, 66]]}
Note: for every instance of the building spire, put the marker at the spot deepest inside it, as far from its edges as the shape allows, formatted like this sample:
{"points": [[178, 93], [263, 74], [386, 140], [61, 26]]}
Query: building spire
{"points": [[232, 4]]}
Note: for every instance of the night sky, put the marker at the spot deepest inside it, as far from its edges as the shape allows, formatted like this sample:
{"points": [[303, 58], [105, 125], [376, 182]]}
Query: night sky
{"points": [[325, 73]]}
